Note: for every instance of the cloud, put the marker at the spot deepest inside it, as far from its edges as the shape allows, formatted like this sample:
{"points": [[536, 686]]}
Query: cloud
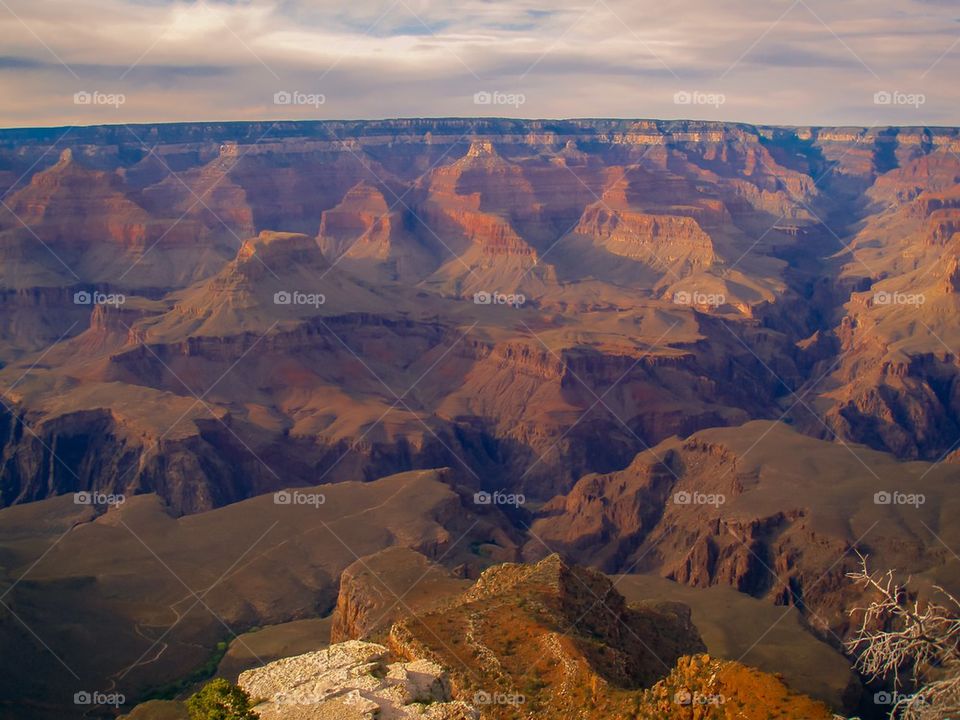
{"points": [[784, 61]]}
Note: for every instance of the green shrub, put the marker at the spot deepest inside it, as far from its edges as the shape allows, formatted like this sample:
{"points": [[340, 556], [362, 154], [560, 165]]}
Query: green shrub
{"points": [[219, 700]]}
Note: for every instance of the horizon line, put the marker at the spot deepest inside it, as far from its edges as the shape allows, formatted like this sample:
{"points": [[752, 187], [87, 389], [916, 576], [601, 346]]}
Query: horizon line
{"points": [[492, 118]]}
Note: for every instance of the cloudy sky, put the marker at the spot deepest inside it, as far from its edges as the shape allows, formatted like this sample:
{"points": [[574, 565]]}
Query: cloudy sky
{"points": [[859, 62]]}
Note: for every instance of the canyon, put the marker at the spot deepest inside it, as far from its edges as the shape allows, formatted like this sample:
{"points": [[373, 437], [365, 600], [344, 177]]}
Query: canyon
{"points": [[698, 357], [689, 274]]}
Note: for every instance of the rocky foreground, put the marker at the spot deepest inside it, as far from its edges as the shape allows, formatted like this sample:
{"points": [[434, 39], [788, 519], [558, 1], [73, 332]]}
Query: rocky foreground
{"points": [[353, 681], [526, 641], [548, 640]]}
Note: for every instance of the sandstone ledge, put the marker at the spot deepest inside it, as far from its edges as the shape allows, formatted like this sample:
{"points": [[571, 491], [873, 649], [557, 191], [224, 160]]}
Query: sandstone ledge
{"points": [[352, 681]]}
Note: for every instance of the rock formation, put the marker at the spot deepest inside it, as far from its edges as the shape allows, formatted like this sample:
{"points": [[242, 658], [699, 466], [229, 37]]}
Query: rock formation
{"points": [[524, 268], [599, 320], [379, 589], [760, 508], [352, 681]]}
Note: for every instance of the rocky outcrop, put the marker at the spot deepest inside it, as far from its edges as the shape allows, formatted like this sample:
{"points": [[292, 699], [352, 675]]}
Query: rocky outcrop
{"points": [[380, 589], [562, 623], [553, 639], [727, 507], [605, 517], [704, 687], [547, 640], [101, 230], [361, 224], [352, 681], [69, 203], [649, 238], [208, 198], [942, 225], [908, 407], [32, 318], [95, 451]]}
